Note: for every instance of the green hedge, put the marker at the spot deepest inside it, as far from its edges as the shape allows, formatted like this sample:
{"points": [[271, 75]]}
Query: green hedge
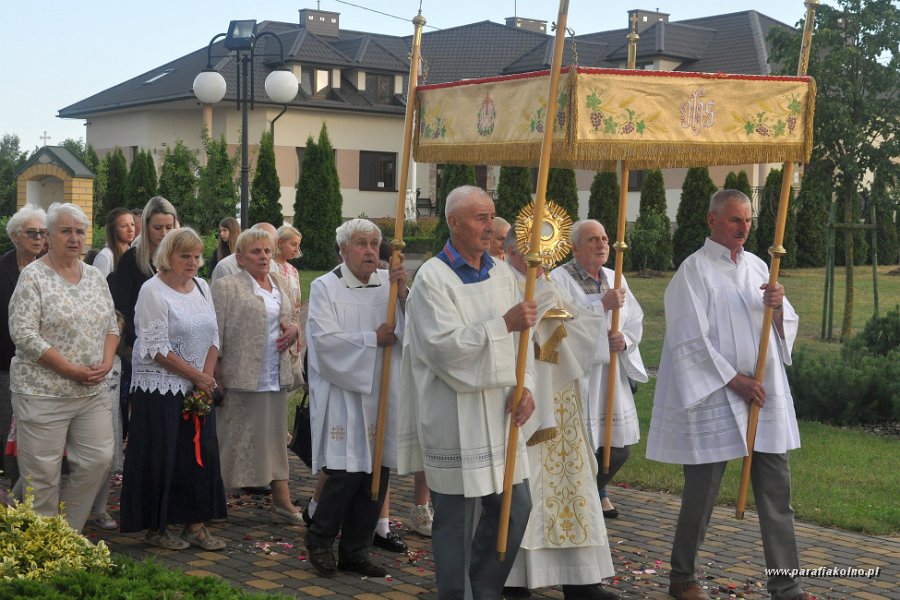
{"points": [[861, 384]]}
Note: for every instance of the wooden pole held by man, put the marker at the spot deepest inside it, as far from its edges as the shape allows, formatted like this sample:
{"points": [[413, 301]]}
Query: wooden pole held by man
{"points": [[534, 261], [776, 251], [397, 245]]}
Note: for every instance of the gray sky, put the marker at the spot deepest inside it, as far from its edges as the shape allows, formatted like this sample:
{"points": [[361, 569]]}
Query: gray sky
{"points": [[58, 52]]}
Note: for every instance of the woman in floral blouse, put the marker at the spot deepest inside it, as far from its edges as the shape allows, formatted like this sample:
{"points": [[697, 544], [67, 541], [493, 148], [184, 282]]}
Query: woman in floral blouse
{"points": [[172, 464], [64, 328]]}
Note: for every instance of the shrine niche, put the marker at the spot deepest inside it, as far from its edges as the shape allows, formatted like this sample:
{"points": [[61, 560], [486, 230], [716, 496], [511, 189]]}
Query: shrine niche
{"points": [[53, 174]]}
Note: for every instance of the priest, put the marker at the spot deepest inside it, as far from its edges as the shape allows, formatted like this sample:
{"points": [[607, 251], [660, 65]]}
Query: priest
{"points": [[345, 332], [565, 542], [714, 312], [459, 372]]}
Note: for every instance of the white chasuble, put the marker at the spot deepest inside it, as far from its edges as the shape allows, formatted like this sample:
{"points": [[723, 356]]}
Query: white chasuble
{"points": [[714, 314], [625, 427], [459, 364], [344, 363]]}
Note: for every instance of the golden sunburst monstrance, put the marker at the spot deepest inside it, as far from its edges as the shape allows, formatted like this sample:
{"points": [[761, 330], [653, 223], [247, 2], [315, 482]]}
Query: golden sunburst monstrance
{"points": [[556, 233]]}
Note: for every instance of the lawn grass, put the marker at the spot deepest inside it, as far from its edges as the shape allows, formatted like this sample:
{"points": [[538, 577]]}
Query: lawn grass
{"points": [[842, 477]]}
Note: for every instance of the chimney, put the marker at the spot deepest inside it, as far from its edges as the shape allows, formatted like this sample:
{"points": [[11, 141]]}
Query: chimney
{"points": [[528, 24], [646, 19], [320, 22]]}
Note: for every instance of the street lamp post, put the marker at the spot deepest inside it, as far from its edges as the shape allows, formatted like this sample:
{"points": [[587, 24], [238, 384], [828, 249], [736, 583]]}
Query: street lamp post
{"points": [[209, 87]]}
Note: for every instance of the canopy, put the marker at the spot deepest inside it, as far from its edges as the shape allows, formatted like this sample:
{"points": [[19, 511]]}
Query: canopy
{"points": [[650, 119]]}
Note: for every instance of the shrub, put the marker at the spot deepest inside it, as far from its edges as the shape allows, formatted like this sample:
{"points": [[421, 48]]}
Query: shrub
{"points": [[880, 337], [36, 547], [692, 228], [651, 237], [5, 243], [513, 192]]}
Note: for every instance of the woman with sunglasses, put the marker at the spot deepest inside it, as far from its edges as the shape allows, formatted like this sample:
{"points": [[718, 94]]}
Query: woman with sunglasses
{"points": [[27, 231]]}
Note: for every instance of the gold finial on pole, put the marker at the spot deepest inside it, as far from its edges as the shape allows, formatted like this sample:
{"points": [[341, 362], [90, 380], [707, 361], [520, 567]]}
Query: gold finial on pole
{"points": [[633, 37]]}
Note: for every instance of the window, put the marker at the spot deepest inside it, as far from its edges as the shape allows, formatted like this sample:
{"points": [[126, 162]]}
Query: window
{"points": [[380, 88], [635, 180], [315, 82], [377, 171]]}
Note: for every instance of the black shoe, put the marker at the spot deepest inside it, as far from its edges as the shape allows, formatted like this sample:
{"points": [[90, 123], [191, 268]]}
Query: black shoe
{"points": [[322, 559], [262, 490], [363, 567], [390, 542], [516, 592], [611, 513], [588, 592]]}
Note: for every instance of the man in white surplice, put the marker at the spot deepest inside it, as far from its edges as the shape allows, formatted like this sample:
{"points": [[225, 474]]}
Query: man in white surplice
{"points": [[345, 332], [459, 363], [714, 313], [565, 542], [590, 284]]}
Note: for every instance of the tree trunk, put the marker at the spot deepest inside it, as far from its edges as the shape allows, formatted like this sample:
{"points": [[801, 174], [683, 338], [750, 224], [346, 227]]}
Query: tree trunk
{"points": [[847, 325]]}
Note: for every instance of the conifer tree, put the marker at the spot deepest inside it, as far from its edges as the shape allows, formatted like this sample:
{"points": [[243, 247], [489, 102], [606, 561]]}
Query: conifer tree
{"points": [[768, 211], [513, 192], [217, 189], [603, 205], [141, 180], [651, 241], [116, 181], [318, 203], [178, 179], [691, 228], [265, 191], [563, 189], [452, 176], [813, 204]]}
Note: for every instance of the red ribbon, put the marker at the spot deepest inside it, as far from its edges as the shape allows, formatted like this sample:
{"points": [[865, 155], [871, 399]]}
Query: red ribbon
{"points": [[197, 456]]}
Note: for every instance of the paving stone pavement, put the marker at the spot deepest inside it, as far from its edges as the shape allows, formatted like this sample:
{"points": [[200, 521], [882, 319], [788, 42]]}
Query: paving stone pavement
{"points": [[263, 555]]}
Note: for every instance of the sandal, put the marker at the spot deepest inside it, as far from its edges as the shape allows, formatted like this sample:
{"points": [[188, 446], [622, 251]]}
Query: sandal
{"points": [[202, 538], [165, 540]]}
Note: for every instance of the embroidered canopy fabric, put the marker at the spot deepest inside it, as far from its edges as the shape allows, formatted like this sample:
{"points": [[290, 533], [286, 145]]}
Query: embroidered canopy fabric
{"points": [[651, 119]]}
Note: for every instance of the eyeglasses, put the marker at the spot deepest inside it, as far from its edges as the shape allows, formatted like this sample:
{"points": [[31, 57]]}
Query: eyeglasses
{"points": [[36, 233]]}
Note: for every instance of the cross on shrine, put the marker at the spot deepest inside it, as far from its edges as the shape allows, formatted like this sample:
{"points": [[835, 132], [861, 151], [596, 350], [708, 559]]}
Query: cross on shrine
{"points": [[45, 137]]}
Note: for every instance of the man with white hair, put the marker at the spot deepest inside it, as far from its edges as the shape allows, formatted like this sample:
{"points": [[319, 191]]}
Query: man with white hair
{"points": [[501, 228], [565, 542], [345, 332], [590, 283], [459, 371], [714, 314], [229, 265]]}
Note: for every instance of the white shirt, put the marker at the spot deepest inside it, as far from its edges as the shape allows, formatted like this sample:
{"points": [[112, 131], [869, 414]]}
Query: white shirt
{"points": [[271, 358], [103, 262], [225, 267], [714, 314], [169, 321]]}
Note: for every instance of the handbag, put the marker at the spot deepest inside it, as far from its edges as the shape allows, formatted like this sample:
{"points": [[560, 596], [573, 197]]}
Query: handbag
{"points": [[298, 370], [301, 437]]}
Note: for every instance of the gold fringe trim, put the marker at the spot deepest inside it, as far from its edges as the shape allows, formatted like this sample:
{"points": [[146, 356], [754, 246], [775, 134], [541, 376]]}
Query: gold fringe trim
{"points": [[542, 435]]}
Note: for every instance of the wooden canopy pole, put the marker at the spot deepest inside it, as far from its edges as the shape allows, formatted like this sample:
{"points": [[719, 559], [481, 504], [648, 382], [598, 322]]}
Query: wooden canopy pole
{"points": [[533, 258], [620, 247], [776, 251], [397, 245]]}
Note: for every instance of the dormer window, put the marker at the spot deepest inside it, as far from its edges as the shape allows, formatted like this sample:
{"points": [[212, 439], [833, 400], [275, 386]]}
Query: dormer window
{"points": [[315, 82], [380, 88]]}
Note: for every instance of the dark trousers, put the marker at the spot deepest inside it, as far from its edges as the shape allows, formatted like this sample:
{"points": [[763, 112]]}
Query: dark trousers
{"points": [[465, 549], [617, 458], [770, 475], [346, 506]]}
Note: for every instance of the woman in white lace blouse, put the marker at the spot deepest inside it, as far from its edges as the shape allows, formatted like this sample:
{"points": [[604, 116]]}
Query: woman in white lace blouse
{"points": [[169, 477], [63, 326]]}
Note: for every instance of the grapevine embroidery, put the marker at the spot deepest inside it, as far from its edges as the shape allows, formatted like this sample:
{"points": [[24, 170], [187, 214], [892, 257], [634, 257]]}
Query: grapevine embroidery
{"points": [[434, 129]]}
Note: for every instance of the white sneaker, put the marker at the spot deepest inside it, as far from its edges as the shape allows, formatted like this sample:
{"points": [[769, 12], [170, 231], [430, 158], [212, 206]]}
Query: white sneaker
{"points": [[420, 518], [104, 521]]}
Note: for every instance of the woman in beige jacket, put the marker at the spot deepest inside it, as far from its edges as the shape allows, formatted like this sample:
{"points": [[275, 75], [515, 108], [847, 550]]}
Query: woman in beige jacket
{"points": [[258, 323]]}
